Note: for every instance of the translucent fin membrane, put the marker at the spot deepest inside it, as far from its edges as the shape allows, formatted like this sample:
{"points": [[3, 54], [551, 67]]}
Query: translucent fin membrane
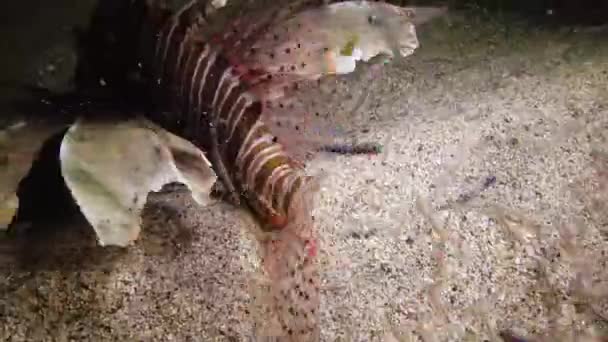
{"points": [[299, 67], [323, 41]]}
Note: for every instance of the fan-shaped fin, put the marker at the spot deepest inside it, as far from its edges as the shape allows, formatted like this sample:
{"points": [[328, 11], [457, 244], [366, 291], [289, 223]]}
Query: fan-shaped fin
{"points": [[331, 39]]}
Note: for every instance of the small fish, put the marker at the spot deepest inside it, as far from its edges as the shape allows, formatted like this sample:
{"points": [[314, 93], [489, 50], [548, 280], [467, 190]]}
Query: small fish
{"points": [[324, 40]]}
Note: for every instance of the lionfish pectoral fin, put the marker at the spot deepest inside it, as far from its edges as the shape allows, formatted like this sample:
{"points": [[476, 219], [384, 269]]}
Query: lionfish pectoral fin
{"points": [[321, 40]]}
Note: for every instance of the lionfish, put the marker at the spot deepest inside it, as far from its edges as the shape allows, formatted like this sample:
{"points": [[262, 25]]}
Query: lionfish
{"points": [[234, 85]]}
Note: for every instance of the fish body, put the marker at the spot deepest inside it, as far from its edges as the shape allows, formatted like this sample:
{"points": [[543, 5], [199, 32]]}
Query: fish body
{"points": [[235, 92], [216, 110], [230, 90]]}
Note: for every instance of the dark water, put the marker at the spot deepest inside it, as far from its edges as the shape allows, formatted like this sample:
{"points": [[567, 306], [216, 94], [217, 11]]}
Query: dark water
{"points": [[36, 40]]}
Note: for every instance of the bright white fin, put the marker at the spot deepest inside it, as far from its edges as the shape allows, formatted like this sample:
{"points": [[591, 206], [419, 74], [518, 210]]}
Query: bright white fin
{"points": [[111, 167]]}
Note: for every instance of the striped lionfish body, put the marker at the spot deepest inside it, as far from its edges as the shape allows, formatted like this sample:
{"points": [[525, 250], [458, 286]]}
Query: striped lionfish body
{"points": [[217, 110], [212, 100], [236, 94]]}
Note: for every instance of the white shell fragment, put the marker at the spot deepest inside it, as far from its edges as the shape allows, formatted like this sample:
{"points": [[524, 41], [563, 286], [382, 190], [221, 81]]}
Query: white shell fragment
{"points": [[111, 167]]}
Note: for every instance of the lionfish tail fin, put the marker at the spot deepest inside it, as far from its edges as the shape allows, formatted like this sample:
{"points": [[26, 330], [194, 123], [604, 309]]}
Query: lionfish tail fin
{"points": [[290, 262]]}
